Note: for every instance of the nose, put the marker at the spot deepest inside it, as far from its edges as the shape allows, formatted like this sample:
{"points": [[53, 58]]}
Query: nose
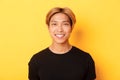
{"points": [[60, 29]]}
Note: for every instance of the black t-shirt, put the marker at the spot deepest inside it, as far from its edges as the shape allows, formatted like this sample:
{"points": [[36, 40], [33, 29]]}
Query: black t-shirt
{"points": [[73, 65]]}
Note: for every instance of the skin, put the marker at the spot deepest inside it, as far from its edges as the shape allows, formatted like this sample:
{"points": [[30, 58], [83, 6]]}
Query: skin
{"points": [[60, 30]]}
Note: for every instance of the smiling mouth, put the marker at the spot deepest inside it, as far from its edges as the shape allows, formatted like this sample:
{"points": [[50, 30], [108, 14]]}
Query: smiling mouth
{"points": [[59, 35]]}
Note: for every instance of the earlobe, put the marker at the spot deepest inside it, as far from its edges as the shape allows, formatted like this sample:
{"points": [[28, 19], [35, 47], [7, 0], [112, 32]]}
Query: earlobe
{"points": [[72, 27]]}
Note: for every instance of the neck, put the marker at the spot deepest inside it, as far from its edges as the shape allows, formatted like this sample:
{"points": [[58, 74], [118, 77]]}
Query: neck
{"points": [[60, 48]]}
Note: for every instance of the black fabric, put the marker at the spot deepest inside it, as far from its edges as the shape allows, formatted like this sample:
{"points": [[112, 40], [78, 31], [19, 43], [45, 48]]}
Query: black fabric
{"points": [[73, 65]]}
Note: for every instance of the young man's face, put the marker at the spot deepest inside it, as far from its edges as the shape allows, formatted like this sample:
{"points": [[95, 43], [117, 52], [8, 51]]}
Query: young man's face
{"points": [[60, 28]]}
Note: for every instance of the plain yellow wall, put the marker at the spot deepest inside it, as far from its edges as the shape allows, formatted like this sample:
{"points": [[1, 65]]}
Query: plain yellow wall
{"points": [[23, 32]]}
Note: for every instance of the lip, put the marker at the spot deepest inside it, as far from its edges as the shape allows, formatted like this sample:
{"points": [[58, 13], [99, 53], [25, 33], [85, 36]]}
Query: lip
{"points": [[59, 35]]}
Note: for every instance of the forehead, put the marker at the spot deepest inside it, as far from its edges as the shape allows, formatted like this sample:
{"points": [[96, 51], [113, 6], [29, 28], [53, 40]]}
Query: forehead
{"points": [[59, 17]]}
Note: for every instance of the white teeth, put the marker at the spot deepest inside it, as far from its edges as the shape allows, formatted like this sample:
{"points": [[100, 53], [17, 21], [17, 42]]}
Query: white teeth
{"points": [[59, 35]]}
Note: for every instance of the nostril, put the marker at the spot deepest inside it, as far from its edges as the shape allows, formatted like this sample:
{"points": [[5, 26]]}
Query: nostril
{"points": [[60, 29]]}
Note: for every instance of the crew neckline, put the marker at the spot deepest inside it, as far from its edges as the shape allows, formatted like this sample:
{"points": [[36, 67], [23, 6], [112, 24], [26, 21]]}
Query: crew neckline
{"points": [[60, 54]]}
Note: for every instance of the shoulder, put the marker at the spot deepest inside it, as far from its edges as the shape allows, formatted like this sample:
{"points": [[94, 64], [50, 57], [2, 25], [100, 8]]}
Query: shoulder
{"points": [[76, 49], [35, 58], [40, 53], [79, 51], [82, 53]]}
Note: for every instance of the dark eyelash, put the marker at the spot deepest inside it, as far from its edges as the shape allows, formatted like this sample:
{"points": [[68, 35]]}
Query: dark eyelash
{"points": [[53, 24]]}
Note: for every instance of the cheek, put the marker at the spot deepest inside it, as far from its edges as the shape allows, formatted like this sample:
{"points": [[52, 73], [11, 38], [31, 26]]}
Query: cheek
{"points": [[51, 30], [68, 31]]}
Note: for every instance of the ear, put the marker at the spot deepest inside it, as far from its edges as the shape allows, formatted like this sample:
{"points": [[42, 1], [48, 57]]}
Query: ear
{"points": [[72, 27], [47, 25]]}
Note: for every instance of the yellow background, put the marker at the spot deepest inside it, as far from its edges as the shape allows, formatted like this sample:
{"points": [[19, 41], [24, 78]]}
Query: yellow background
{"points": [[23, 32]]}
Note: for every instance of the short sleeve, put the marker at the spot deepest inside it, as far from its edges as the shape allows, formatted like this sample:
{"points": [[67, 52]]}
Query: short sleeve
{"points": [[90, 74], [33, 69]]}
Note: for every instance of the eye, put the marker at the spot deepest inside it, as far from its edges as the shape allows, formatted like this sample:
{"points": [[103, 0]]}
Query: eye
{"points": [[66, 24], [53, 24]]}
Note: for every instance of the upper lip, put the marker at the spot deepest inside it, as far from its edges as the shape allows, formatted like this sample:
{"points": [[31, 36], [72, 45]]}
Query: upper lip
{"points": [[59, 34]]}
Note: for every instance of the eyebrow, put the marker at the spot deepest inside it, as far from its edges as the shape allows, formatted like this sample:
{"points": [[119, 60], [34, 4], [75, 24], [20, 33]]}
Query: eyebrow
{"points": [[57, 21]]}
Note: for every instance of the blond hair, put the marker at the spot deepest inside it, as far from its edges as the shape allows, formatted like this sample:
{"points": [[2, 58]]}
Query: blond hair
{"points": [[64, 10]]}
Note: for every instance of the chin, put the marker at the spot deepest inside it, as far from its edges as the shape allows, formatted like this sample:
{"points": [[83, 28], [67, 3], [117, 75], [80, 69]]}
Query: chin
{"points": [[60, 42]]}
